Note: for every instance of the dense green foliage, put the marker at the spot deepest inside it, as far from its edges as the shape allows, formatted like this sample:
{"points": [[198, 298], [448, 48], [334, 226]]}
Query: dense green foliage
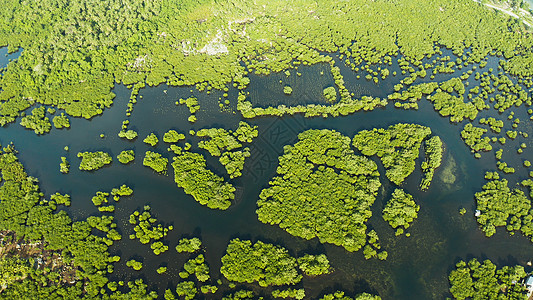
{"points": [[151, 139], [121, 191], [226, 144], [241, 295], [475, 280], [289, 293], [58, 199], [192, 105], [330, 93], [156, 161], [219, 140], [149, 44], [100, 198], [314, 265], [500, 206], [473, 137], [129, 134], [126, 133], [400, 210], [449, 105], [13, 269], [191, 174], [373, 246], [495, 125], [339, 295], [64, 166], [196, 266], [94, 160], [433, 150], [146, 230], [397, 146], [245, 133], [189, 245], [24, 211], [158, 247], [186, 289], [136, 265], [337, 187], [126, 156], [101, 201], [260, 262], [37, 121], [172, 136], [61, 121]]}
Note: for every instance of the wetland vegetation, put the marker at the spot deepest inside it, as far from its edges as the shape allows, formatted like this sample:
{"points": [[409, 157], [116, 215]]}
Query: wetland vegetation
{"points": [[473, 65]]}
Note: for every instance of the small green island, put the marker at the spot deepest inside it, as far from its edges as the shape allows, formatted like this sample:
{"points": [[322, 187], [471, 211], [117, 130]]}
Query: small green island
{"points": [[94, 160]]}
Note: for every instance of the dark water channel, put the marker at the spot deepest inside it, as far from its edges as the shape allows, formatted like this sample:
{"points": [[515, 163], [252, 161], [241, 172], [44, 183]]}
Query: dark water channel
{"points": [[417, 266]]}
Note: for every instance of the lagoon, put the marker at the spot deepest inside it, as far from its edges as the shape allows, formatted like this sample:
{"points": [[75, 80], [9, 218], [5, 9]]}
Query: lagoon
{"points": [[417, 266]]}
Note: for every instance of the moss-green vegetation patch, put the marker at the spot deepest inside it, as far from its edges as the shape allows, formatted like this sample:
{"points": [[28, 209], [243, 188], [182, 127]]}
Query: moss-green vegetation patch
{"points": [[197, 267], [322, 190], [226, 144], [289, 293], [191, 174], [75, 52], [400, 211], [146, 230], [126, 156], [186, 289], [121, 191], [366, 103], [101, 201], [373, 246], [245, 133], [453, 106], [494, 124], [37, 121], [189, 245], [330, 93], [172, 136], [433, 150], [155, 161], [136, 265], [194, 46], [266, 264], [408, 98], [24, 211], [475, 280], [94, 160], [218, 140], [64, 166], [151, 139], [61, 121], [340, 295], [59, 199], [498, 206], [314, 265], [397, 146], [128, 134], [192, 105]]}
